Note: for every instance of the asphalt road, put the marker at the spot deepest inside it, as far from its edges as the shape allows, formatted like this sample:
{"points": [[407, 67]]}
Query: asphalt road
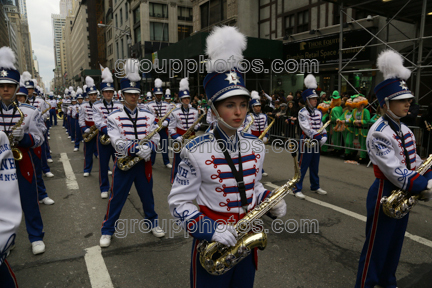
{"points": [[324, 257]]}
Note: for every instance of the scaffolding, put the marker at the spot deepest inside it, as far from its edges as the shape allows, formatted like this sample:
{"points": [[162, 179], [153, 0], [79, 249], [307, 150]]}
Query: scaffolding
{"points": [[411, 11]]}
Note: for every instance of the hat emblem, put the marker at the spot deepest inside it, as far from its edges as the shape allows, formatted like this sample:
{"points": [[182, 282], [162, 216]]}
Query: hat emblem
{"points": [[91, 88], [108, 85], [184, 92], [232, 78], [27, 83], [403, 85], [132, 84], [4, 73], [313, 91]]}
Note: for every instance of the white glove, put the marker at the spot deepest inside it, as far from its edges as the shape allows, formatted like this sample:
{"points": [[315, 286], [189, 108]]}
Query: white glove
{"points": [[225, 234], [279, 210], [323, 141], [179, 139], [144, 152], [426, 195], [197, 126], [18, 133], [165, 123], [265, 140], [87, 130]]}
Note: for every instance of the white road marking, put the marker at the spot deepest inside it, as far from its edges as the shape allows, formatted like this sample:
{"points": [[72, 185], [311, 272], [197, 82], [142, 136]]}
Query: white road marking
{"points": [[415, 238], [71, 182], [97, 270]]}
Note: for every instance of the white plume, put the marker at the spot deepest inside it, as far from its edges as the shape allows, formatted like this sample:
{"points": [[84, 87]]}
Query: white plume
{"points": [[225, 43], [26, 76], [66, 91], [255, 95], [73, 93], [50, 93], [106, 75], [132, 70], [184, 84], [390, 63], [70, 89], [89, 81], [158, 83], [79, 91], [149, 94], [85, 87], [7, 58], [167, 92], [35, 82], [310, 82]]}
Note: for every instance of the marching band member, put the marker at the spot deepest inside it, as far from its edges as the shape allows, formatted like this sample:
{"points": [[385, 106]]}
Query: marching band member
{"points": [[10, 211], [310, 121], [69, 114], [75, 117], [207, 177], [181, 119], [64, 105], [86, 121], [260, 119], [69, 129], [126, 126], [159, 109], [101, 110], [27, 135], [392, 149], [168, 98], [52, 111]]}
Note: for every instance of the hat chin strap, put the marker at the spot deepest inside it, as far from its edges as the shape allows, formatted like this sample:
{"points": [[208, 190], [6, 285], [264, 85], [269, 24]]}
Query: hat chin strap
{"points": [[389, 112], [308, 104], [220, 120]]}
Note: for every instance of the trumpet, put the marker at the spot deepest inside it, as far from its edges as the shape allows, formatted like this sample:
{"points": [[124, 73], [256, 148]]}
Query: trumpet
{"points": [[217, 258], [309, 143], [90, 135], [17, 154], [400, 202], [187, 135]]}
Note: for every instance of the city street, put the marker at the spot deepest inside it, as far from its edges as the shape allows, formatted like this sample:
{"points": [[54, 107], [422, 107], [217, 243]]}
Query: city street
{"points": [[326, 256]]}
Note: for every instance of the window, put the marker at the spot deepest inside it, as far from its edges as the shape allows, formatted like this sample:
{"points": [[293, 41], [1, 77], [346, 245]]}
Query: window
{"points": [[126, 11], [184, 31], [289, 24], [116, 20], [158, 31], [158, 10], [137, 34], [213, 12], [122, 48], [136, 15], [184, 13], [303, 21], [121, 17], [118, 55]]}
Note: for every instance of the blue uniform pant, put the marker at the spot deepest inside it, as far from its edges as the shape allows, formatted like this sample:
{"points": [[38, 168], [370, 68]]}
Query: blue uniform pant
{"points": [[53, 114], [73, 128], [69, 121], [45, 155], [308, 159], [29, 200], [176, 162], [106, 152], [64, 120], [38, 169], [384, 238], [78, 134], [89, 150], [7, 276], [241, 275], [122, 183], [164, 146]]}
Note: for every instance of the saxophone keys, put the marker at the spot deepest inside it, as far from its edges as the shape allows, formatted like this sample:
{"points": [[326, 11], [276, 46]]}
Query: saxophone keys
{"points": [[230, 259]]}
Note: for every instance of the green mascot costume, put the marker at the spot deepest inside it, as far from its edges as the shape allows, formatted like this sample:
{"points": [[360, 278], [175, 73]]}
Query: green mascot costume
{"points": [[360, 119], [336, 112]]}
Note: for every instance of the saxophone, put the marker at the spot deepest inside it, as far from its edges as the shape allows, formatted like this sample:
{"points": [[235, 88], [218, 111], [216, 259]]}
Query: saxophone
{"points": [[217, 258], [128, 162], [249, 124], [17, 154], [267, 129], [177, 147], [46, 110], [400, 202], [90, 135], [308, 141]]}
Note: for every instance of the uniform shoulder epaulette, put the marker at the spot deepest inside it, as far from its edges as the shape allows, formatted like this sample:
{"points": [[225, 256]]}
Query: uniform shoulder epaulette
{"points": [[97, 102], [199, 140], [381, 126], [248, 136], [143, 109], [27, 106], [176, 109], [115, 111]]}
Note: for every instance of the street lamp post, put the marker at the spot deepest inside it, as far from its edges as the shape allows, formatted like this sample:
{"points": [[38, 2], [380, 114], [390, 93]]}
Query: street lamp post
{"points": [[126, 32]]}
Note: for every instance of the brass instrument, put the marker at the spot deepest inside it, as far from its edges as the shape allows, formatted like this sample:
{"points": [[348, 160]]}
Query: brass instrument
{"points": [[105, 139], [309, 143], [46, 110], [90, 135], [17, 154], [267, 129], [400, 202], [217, 258], [177, 147], [59, 110], [128, 162], [249, 124], [428, 126]]}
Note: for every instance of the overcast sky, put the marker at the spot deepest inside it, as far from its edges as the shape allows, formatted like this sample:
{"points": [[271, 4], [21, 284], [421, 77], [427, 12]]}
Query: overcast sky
{"points": [[39, 18]]}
